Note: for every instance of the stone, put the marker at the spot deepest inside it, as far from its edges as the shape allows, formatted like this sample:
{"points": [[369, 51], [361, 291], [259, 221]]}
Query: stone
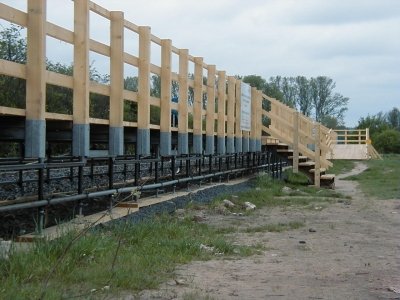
{"points": [[249, 206], [228, 203], [206, 248], [312, 230], [286, 190]]}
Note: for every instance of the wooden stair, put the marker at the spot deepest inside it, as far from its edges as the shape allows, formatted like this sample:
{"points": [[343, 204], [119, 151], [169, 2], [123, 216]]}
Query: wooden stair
{"points": [[306, 166]]}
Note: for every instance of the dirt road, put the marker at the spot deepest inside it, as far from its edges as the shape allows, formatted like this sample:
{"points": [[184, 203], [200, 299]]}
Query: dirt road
{"points": [[354, 253]]}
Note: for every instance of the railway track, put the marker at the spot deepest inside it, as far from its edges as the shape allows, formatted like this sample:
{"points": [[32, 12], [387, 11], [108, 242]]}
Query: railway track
{"points": [[40, 193]]}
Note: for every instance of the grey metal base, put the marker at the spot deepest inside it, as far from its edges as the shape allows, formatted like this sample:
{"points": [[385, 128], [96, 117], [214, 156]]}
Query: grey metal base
{"points": [[238, 145], [209, 145], [221, 145], [143, 142], [252, 145], [230, 145], [245, 145], [197, 144], [116, 141], [183, 144], [165, 143], [35, 138], [80, 139]]}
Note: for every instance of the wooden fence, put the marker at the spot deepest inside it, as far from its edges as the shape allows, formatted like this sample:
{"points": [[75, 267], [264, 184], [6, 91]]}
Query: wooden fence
{"points": [[218, 116]]}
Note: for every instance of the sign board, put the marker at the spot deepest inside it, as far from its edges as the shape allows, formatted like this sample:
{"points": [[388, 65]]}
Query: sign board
{"points": [[245, 107]]}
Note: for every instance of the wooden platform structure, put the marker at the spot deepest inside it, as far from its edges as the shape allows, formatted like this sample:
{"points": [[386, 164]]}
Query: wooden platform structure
{"points": [[225, 115], [353, 144]]}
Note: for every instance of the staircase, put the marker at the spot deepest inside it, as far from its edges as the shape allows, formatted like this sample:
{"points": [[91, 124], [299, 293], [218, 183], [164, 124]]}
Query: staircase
{"points": [[305, 144]]}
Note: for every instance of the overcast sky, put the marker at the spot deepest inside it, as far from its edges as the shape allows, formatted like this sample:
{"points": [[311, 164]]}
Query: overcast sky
{"points": [[355, 42]]}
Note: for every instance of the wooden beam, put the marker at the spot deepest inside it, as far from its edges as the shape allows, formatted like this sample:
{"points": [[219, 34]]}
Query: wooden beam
{"points": [[81, 79], [238, 131], [116, 130], [317, 174], [166, 81], [183, 147], [211, 70], [296, 142], [143, 136], [197, 106], [221, 111], [35, 127], [230, 132]]}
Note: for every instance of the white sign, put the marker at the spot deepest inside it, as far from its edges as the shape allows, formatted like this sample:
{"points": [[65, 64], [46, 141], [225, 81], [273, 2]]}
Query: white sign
{"points": [[245, 107]]}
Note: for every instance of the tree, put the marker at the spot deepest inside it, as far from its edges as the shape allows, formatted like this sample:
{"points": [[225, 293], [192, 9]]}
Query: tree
{"points": [[388, 141], [326, 104], [303, 97], [12, 48], [376, 124], [393, 118]]}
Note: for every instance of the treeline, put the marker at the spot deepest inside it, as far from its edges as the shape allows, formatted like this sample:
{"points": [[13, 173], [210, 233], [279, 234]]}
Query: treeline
{"points": [[313, 97], [384, 130]]}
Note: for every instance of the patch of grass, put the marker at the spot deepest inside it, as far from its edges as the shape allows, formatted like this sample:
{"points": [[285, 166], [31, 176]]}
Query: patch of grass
{"points": [[382, 178], [280, 227], [341, 166], [147, 255]]}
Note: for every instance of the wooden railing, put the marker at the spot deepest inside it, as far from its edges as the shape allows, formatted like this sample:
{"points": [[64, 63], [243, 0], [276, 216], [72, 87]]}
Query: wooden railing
{"points": [[301, 133], [352, 136]]}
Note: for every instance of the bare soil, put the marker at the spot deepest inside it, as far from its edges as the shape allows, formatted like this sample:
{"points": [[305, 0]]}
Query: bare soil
{"points": [[354, 253]]}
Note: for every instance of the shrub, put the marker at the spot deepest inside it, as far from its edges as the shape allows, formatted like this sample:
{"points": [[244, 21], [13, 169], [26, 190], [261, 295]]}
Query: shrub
{"points": [[388, 141]]}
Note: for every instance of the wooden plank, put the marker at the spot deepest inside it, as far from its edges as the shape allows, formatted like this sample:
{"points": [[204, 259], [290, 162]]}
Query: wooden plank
{"points": [[230, 132], [210, 110], [317, 174], [131, 26], [99, 48], [131, 60], [12, 69], [183, 91], [117, 69], [99, 88], [99, 121], [198, 96], [296, 142], [129, 95], [81, 62], [36, 61], [60, 33], [221, 104], [56, 116], [59, 79], [101, 11], [13, 15], [12, 111], [144, 78], [166, 81], [238, 131]]}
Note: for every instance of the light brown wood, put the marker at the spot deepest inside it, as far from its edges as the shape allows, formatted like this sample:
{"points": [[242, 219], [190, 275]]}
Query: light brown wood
{"points": [[144, 78], [296, 142], [231, 107], [183, 91], [117, 69], [36, 61], [198, 96], [13, 15], [254, 96], [60, 33], [221, 103], [238, 131], [317, 173], [81, 62], [210, 100], [166, 81], [12, 69]]}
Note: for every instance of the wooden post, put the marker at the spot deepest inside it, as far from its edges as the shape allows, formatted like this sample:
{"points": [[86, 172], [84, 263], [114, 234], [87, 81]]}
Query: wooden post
{"points": [[221, 111], [359, 136], [35, 124], [183, 147], [317, 173], [166, 81], [143, 130], [345, 137], [296, 142], [197, 106], [259, 122], [81, 138], [230, 133], [252, 141], [116, 130], [238, 131], [210, 109]]}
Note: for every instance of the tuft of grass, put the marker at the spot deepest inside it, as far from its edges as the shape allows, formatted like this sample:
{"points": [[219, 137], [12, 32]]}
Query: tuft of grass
{"points": [[147, 255], [341, 166], [280, 227], [382, 178]]}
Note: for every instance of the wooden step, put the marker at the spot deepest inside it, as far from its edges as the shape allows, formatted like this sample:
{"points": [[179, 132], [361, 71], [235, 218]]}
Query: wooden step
{"points": [[307, 164], [322, 170], [301, 157], [284, 150], [328, 177]]}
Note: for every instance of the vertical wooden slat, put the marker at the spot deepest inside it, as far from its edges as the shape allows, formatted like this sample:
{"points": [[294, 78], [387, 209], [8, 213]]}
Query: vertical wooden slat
{"points": [[81, 79], [183, 147], [252, 141], [238, 131], [221, 111], [295, 142], [166, 81], [35, 124], [230, 144], [259, 120], [197, 106], [210, 109], [143, 131], [317, 173], [116, 131]]}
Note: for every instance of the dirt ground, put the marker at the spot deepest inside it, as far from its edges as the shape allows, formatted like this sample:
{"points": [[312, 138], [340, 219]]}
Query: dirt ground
{"points": [[354, 253]]}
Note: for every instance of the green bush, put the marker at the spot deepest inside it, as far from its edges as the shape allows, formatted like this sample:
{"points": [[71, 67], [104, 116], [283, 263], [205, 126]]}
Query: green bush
{"points": [[388, 141]]}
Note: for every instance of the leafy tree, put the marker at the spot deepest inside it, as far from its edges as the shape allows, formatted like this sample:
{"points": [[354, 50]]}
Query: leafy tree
{"points": [[393, 118], [376, 124], [303, 96], [12, 48], [388, 141]]}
